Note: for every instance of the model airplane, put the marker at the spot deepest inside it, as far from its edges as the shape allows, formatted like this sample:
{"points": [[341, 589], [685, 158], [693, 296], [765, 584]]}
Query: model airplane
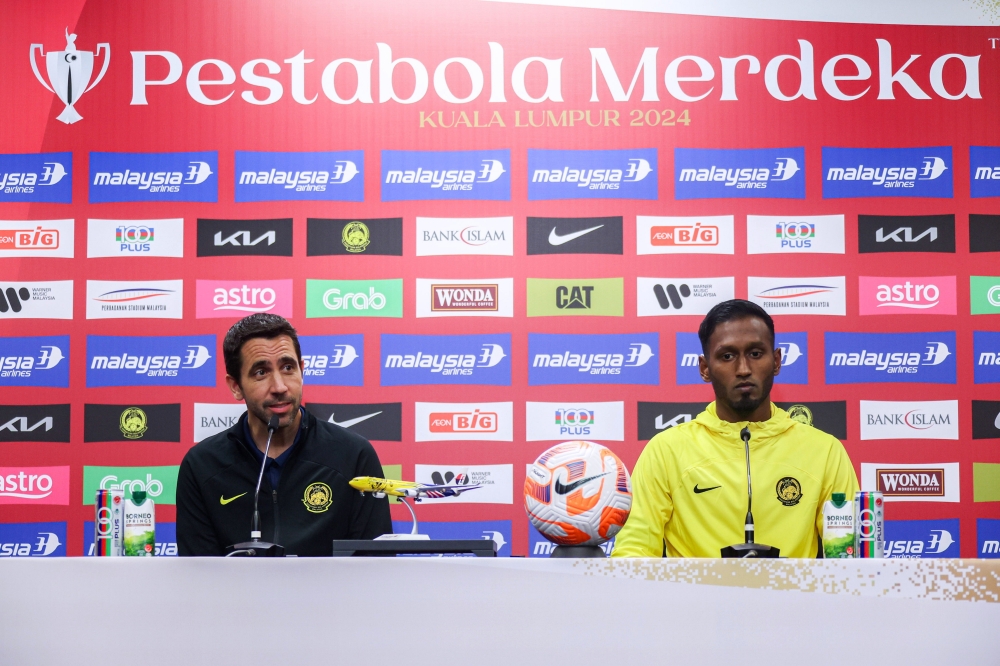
{"points": [[417, 491]]}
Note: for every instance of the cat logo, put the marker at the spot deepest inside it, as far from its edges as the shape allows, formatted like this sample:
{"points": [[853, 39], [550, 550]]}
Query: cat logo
{"points": [[355, 236], [789, 491], [317, 498], [133, 423], [801, 413]]}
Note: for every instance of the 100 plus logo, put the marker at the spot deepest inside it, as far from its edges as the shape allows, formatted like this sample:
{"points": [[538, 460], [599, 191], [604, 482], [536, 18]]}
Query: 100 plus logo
{"points": [[548, 421], [626, 358], [775, 173], [154, 177], [327, 176], [37, 178], [592, 174], [150, 361], [409, 360], [130, 238], [474, 175], [887, 172], [36, 361], [769, 234], [858, 358], [333, 360]]}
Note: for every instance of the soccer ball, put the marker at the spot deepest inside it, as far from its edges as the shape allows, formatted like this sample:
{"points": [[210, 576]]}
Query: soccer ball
{"points": [[578, 494]]}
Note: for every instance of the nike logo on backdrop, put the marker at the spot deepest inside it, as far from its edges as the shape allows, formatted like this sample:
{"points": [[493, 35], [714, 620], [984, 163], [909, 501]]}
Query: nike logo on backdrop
{"points": [[556, 239], [704, 490], [349, 422], [223, 501], [562, 490]]}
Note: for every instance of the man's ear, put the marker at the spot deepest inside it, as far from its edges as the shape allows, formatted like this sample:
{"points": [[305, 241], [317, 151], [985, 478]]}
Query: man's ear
{"points": [[777, 361], [234, 388], [703, 369]]}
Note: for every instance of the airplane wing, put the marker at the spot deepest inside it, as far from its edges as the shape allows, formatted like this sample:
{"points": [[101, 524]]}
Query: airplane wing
{"points": [[433, 491]]}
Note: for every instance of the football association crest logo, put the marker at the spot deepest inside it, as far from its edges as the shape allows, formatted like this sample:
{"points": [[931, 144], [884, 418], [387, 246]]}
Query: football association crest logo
{"points": [[68, 72]]}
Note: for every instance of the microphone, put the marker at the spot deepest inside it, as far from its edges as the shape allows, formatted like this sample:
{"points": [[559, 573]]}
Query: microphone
{"points": [[748, 548], [256, 547]]}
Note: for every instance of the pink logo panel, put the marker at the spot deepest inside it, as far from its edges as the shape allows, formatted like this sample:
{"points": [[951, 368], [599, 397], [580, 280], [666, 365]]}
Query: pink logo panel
{"points": [[34, 485], [239, 298], [907, 295]]}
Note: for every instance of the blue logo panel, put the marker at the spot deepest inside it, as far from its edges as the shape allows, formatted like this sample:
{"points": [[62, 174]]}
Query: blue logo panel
{"points": [[626, 358], [150, 361], [921, 538], [759, 173], [539, 546], [471, 175], [794, 358], [32, 540], [984, 171], [412, 360], [37, 361], [864, 358], [887, 172], [166, 539], [37, 178], [497, 530], [329, 176], [688, 351], [988, 538], [592, 174], [333, 360], [154, 177], [986, 356]]}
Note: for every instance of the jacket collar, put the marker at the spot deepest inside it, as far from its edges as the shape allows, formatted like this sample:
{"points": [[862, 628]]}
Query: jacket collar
{"points": [[236, 432], [760, 431]]}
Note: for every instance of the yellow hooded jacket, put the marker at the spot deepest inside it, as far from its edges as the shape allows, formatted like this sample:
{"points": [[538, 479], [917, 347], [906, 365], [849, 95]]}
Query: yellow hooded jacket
{"points": [[689, 487]]}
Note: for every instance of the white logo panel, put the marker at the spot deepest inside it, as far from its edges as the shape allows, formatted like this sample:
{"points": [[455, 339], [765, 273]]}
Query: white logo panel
{"points": [[550, 421], [465, 298], [465, 235], [36, 300], [36, 238], [925, 479], [159, 299], [682, 296], [799, 295], [135, 238], [684, 235], [937, 419], [496, 482], [213, 418], [489, 421], [774, 234]]}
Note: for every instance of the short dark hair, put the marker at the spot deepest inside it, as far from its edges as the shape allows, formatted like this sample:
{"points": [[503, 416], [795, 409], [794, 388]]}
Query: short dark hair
{"points": [[258, 325], [728, 311]]}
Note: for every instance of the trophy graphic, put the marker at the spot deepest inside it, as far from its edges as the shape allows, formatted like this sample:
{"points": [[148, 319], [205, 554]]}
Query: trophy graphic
{"points": [[69, 72]]}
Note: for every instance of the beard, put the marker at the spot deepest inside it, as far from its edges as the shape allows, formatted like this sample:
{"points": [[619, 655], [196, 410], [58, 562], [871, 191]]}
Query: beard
{"points": [[748, 404]]}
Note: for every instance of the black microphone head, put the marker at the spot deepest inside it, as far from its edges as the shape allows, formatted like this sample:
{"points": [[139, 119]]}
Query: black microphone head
{"points": [[745, 433], [272, 424]]}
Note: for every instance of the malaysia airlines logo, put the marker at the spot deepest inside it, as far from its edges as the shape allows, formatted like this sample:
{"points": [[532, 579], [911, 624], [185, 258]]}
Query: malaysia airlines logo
{"points": [[794, 358], [326, 176], [887, 172], [37, 177], [488, 421], [917, 295], [986, 352], [909, 420], [984, 168], [409, 360], [333, 360], [154, 177], [473, 175], [922, 538], [33, 540], [857, 358], [36, 361], [592, 174], [684, 235], [150, 361], [626, 358], [68, 73], [704, 173]]}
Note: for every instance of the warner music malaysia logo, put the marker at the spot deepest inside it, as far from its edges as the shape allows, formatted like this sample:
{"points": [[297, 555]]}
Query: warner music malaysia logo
{"points": [[858, 358], [986, 352], [37, 238], [239, 298], [211, 419], [150, 361], [465, 235], [34, 485], [909, 420], [472, 175], [409, 360], [149, 299], [37, 178], [571, 419], [34, 423], [36, 300], [928, 482], [154, 177], [706, 173], [799, 296], [326, 176], [33, 539], [592, 174], [333, 360], [681, 296], [445, 421], [887, 172], [794, 358], [906, 233], [35, 361], [815, 234], [465, 298], [900, 295], [684, 235], [922, 538], [496, 482], [627, 358], [68, 73], [135, 238]]}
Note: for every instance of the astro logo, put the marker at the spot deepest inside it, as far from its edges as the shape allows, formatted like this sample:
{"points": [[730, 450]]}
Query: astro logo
{"points": [[445, 359], [795, 235], [593, 359], [887, 172], [32, 540], [36, 177], [592, 174], [333, 360], [153, 177], [150, 361], [890, 357], [921, 538], [34, 361], [326, 176], [482, 175], [720, 174]]}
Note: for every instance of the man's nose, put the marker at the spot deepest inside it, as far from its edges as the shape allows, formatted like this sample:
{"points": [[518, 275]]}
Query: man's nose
{"points": [[743, 366], [277, 384]]}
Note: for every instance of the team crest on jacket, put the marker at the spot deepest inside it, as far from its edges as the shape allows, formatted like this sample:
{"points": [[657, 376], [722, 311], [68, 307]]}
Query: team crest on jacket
{"points": [[789, 491], [317, 498]]}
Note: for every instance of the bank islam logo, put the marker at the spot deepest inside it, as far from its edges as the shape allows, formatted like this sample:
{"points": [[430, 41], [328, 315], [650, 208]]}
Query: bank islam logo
{"points": [[328, 176], [984, 167], [684, 235], [37, 178], [803, 234], [988, 538], [441, 421], [901, 295], [573, 419], [906, 233], [596, 297], [539, 546], [794, 358], [909, 420], [158, 299], [412, 360], [159, 483], [921, 538], [166, 539], [496, 482], [681, 296], [36, 300], [213, 418], [353, 298], [34, 423], [799, 296], [239, 298], [472, 175], [928, 482], [34, 485], [465, 298], [68, 73], [465, 235], [592, 174], [36, 238], [36, 361], [333, 360], [154, 177], [32, 540], [150, 361], [773, 173], [499, 531], [627, 358], [135, 238], [887, 172], [986, 352], [860, 358]]}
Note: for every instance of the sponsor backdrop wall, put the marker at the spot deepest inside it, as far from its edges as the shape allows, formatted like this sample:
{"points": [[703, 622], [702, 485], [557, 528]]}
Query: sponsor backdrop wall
{"points": [[495, 227]]}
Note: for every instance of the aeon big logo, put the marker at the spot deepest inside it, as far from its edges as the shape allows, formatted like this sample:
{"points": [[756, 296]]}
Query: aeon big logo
{"points": [[69, 71]]}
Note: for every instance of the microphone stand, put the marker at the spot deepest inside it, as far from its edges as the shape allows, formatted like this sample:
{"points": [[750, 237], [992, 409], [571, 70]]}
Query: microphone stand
{"points": [[255, 547], [748, 549]]}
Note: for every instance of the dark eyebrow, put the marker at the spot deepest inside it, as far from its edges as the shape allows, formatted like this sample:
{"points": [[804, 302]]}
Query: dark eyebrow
{"points": [[289, 359], [263, 363]]}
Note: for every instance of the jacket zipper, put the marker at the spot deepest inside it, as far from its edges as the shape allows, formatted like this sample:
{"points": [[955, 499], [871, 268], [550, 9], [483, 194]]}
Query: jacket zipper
{"points": [[274, 499]]}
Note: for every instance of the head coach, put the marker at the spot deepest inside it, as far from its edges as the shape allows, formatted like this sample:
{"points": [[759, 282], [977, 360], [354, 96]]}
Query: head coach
{"points": [[305, 502], [690, 483]]}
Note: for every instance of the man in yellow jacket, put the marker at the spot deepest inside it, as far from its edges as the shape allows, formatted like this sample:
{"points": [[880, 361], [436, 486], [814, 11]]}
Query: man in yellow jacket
{"points": [[689, 486]]}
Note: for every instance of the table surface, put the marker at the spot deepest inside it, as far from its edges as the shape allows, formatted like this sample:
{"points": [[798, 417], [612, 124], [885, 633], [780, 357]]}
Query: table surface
{"points": [[493, 610]]}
